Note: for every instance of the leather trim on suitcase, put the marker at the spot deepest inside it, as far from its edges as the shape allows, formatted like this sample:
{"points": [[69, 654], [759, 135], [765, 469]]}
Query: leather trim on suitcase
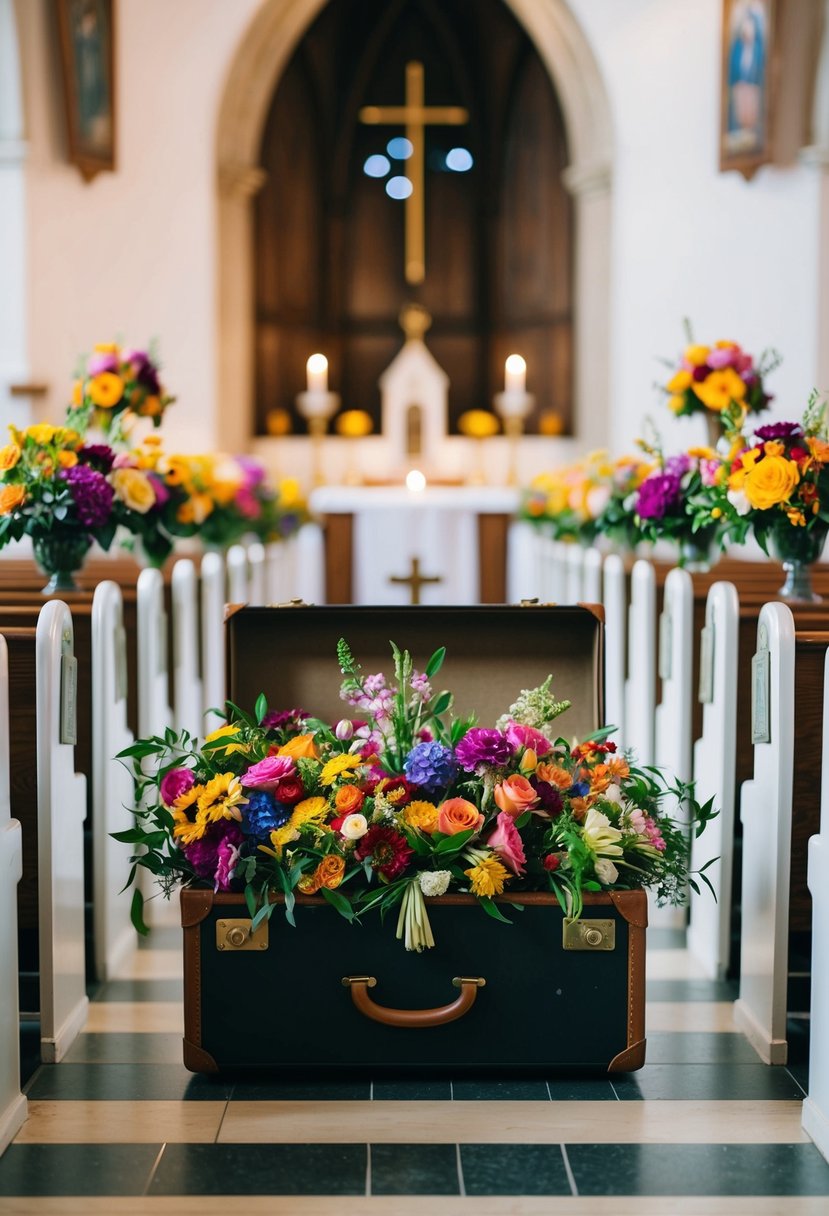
{"points": [[195, 906]]}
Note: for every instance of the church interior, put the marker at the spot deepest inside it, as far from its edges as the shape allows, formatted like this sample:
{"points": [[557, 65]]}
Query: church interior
{"points": [[503, 324]]}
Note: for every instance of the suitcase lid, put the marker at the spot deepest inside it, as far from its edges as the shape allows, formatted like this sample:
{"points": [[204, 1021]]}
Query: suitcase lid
{"points": [[492, 653]]}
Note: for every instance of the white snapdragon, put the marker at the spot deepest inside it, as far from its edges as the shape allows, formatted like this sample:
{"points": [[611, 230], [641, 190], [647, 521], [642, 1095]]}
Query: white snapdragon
{"points": [[606, 872], [354, 826], [739, 501], [434, 882], [613, 794]]}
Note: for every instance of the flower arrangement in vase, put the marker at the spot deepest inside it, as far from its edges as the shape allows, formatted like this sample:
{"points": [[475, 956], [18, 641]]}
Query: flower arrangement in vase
{"points": [[661, 505], [403, 801], [711, 379], [113, 386], [776, 486], [66, 495]]}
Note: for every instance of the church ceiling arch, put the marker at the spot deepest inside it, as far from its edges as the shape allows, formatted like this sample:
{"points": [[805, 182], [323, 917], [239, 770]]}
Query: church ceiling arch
{"points": [[257, 67]]}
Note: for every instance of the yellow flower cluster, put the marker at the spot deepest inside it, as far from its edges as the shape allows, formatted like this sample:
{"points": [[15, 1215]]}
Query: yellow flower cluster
{"points": [[220, 798]]}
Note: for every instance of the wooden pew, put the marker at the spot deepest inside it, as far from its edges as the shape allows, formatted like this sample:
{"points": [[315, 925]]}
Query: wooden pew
{"points": [[12, 1103], [816, 1105], [779, 812], [49, 799]]}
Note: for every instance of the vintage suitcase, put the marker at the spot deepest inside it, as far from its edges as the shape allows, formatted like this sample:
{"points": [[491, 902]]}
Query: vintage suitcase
{"points": [[541, 994]]}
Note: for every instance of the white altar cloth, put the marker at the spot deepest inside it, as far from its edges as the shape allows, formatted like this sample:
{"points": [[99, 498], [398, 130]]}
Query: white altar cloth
{"points": [[392, 526]]}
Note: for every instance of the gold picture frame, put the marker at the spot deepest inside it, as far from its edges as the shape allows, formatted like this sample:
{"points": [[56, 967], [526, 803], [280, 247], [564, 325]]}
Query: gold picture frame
{"points": [[747, 85], [86, 32]]}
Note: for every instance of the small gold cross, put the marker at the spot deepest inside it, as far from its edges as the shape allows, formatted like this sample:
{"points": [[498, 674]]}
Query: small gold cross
{"points": [[415, 580], [415, 115]]}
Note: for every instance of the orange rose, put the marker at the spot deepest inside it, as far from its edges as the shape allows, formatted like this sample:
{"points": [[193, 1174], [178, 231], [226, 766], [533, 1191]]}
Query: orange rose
{"points": [[515, 795], [10, 498], [329, 872], [9, 456], [300, 748], [348, 799], [457, 815], [559, 777], [309, 883]]}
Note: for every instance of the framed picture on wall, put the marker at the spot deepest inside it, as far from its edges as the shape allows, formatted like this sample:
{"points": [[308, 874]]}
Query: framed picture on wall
{"points": [[86, 33], [748, 53]]}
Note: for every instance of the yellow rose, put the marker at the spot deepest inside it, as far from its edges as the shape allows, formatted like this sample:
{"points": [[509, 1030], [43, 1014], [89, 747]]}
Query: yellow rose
{"points": [[770, 482], [9, 456], [134, 489], [679, 381], [10, 498], [41, 432], [106, 390], [697, 354]]}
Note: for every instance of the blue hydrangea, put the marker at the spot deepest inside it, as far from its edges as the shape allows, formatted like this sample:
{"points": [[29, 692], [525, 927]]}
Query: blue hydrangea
{"points": [[431, 766], [263, 814]]}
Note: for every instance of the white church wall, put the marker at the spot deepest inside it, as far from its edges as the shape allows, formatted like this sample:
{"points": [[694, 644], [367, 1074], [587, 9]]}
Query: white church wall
{"points": [[13, 338], [134, 254], [131, 255], [738, 258]]}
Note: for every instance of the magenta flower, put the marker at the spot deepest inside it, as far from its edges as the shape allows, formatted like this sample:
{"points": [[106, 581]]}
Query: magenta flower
{"points": [[527, 736], [657, 495], [267, 774], [507, 843], [162, 494], [483, 746], [722, 357], [779, 430], [92, 493], [175, 783], [99, 363], [203, 854], [227, 855]]}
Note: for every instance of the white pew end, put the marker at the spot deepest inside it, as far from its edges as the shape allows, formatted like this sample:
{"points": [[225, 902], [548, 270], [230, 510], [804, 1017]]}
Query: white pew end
{"points": [[766, 814], [672, 728], [709, 933], [558, 572], [310, 564], [212, 635], [238, 583], [640, 687], [816, 1105], [574, 566], [591, 586], [154, 713], [614, 598], [112, 790], [187, 691], [257, 574], [12, 1102], [523, 567], [61, 811]]}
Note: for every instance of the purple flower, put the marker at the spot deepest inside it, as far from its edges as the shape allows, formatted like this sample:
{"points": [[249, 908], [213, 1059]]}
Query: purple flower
{"points": [[227, 855], [483, 746], [421, 685], [678, 465], [92, 493], [162, 494], [721, 357], [549, 798], [779, 430], [657, 495], [144, 370], [701, 372], [431, 766], [99, 455], [203, 854], [175, 783], [252, 469], [280, 719]]}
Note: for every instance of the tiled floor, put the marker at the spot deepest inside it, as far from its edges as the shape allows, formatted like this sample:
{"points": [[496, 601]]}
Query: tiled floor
{"points": [[121, 1127]]}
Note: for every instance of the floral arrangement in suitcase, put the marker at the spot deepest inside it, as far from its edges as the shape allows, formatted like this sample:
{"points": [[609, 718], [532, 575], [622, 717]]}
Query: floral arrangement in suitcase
{"points": [[402, 801]]}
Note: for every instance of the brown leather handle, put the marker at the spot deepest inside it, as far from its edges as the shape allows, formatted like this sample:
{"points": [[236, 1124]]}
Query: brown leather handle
{"points": [[413, 1019]]}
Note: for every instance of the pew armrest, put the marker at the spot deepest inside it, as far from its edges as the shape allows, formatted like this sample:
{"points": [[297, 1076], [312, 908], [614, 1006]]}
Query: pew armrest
{"points": [[818, 868]]}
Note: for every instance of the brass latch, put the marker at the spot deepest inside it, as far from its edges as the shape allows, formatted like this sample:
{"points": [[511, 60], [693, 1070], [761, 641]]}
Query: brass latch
{"points": [[236, 935], [588, 934], [294, 603]]}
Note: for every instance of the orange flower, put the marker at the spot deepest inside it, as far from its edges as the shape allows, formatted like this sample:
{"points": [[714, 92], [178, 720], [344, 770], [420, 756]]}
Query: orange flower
{"points": [[457, 815], [579, 807], [819, 449], [10, 498], [423, 815], [106, 390], [300, 747], [309, 883], [67, 460], [9, 456], [348, 799], [559, 777], [515, 795], [329, 873], [77, 393]]}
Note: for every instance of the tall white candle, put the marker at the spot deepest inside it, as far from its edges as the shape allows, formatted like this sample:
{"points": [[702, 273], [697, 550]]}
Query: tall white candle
{"points": [[316, 370], [515, 374]]}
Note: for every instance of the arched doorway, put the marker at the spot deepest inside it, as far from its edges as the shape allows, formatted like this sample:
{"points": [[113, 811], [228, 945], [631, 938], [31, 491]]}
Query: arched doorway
{"points": [[258, 65]]}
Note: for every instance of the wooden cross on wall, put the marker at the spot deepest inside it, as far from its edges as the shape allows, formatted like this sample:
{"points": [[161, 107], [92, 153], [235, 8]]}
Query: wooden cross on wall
{"points": [[415, 580], [416, 116]]}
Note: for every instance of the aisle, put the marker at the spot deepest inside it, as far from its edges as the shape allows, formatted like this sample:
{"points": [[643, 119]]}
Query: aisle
{"points": [[122, 1120]]}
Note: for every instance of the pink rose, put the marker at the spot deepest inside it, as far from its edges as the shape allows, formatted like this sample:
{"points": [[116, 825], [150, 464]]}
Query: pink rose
{"points": [[124, 461], [507, 843], [175, 783], [721, 357], [267, 774], [527, 736], [515, 795]]}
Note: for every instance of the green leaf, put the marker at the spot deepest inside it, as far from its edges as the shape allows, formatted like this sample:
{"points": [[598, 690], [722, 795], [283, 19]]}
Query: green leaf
{"points": [[250, 900], [436, 662], [453, 844], [261, 707], [137, 913], [492, 909], [130, 836], [592, 886], [441, 703], [339, 902]]}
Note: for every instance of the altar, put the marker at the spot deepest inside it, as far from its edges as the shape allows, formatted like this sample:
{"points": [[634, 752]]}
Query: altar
{"points": [[436, 545]]}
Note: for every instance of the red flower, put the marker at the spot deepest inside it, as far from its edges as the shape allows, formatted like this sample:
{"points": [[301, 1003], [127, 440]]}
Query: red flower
{"points": [[388, 851], [289, 790], [551, 862]]}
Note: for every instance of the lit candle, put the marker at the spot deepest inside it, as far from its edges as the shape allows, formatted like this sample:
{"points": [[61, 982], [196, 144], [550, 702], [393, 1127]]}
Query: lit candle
{"points": [[415, 480], [317, 372], [515, 374]]}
